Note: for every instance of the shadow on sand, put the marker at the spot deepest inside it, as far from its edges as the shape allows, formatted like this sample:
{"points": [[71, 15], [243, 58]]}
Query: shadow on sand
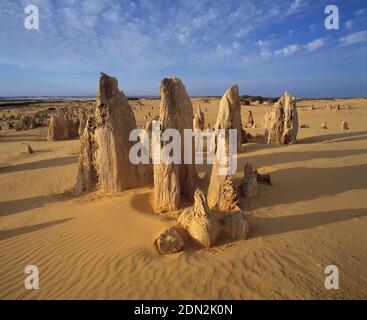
{"points": [[261, 227], [283, 157], [20, 205], [301, 184], [6, 234], [41, 164], [338, 137]]}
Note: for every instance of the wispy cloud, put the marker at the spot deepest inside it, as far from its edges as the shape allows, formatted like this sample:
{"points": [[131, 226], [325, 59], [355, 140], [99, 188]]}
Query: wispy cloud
{"points": [[288, 50], [315, 44], [354, 38], [360, 12], [297, 5], [145, 37]]}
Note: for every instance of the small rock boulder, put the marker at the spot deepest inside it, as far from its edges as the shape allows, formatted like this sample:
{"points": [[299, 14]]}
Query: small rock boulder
{"points": [[305, 126], [345, 125], [234, 226], [170, 241], [29, 149]]}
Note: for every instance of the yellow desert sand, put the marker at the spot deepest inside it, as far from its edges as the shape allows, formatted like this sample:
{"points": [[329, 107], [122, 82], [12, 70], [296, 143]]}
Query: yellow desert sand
{"points": [[101, 246]]}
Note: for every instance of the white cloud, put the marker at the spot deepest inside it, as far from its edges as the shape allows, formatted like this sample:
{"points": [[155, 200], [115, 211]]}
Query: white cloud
{"points": [[314, 45], [353, 38], [243, 31], [222, 51], [288, 51], [360, 12], [297, 5], [264, 48], [349, 24], [235, 45], [262, 43]]}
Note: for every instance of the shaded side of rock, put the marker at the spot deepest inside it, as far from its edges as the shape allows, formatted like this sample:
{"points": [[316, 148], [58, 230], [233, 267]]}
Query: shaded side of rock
{"points": [[234, 226], [345, 125], [29, 149], [250, 120], [263, 178], [249, 185]]}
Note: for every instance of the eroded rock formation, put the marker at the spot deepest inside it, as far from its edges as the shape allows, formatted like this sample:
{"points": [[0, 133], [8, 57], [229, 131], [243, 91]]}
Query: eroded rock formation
{"points": [[104, 145], [250, 120], [249, 185], [202, 225], [234, 226], [58, 128], [199, 120], [345, 125], [229, 114], [222, 192], [174, 181], [281, 121], [82, 122], [170, 240]]}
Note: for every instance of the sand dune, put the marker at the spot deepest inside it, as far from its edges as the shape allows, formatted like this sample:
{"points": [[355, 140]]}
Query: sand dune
{"points": [[100, 246]]}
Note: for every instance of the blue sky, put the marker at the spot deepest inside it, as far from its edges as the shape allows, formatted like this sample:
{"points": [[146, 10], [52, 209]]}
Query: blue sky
{"points": [[266, 47]]}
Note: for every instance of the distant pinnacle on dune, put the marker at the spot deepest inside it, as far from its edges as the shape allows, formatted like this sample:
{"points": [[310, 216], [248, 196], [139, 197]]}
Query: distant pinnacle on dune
{"points": [[104, 145], [61, 128], [29, 149], [174, 181], [281, 121], [199, 120], [250, 120]]}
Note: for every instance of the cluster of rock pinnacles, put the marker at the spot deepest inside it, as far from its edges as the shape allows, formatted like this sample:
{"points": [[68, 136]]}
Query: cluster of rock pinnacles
{"points": [[104, 163]]}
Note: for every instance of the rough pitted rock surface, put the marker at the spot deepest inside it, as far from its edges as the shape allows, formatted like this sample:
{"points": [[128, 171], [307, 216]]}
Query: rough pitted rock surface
{"points": [[104, 145], [234, 226], [202, 225], [199, 120], [170, 241], [281, 121], [249, 186], [229, 114], [250, 120], [174, 181], [58, 128]]}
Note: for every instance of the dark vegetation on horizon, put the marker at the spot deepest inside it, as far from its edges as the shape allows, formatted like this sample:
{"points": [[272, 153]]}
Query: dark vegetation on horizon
{"points": [[9, 102]]}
